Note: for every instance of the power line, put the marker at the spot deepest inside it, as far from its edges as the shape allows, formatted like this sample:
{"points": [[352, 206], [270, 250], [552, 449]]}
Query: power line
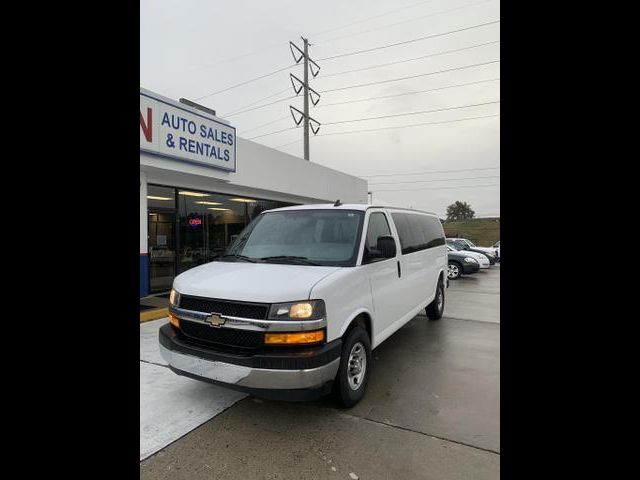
{"points": [[380, 97], [273, 46], [258, 101], [408, 60], [436, 188], [390, 128], [246, 82], [386, 116], [407, 126], [237, 112], [389, 45], [438, 180], [414, 19], [370, 18], [260, 106], [272, 133], [265, 124], [411, 113], [410, 76], [429, 172]]}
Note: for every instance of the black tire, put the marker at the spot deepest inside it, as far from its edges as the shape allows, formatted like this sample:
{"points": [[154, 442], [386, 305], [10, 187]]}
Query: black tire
{"points": [[454, 270], [345, 394], [436, 308]]}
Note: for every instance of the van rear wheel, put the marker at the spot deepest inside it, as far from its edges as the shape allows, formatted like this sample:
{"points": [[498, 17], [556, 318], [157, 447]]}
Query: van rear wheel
{"points": [[355, 367], [436, 308]]}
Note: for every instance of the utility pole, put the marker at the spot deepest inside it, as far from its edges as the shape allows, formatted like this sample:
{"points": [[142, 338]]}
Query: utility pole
{"points": [[306, 98], [308, 92]]}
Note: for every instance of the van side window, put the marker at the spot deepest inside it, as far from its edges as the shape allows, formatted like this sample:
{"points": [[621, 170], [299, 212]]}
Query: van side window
{"points": [[404, 231], [418, 232], [378, 227], [433, 231]]}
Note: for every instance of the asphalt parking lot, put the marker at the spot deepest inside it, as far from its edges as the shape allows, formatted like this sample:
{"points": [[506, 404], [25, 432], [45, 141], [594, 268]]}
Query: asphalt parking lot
{"points": [[432, 409]]}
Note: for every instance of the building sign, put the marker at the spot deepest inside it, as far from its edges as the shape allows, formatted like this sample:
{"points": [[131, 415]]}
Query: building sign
{"points": [[173, 130]]}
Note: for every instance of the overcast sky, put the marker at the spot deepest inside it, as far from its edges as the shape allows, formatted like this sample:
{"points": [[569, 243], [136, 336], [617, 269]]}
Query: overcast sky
{"points": [[192, 48]]}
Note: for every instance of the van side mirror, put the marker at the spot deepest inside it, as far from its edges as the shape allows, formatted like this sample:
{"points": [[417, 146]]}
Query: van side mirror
{"points": [[386, 245]]}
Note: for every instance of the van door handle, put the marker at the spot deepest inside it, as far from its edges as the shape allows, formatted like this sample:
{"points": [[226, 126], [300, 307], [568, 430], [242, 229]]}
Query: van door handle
{"points": [[399, 271]]}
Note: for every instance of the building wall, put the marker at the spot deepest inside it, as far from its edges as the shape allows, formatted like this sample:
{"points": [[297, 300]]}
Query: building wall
{"points": [[261, 171]]}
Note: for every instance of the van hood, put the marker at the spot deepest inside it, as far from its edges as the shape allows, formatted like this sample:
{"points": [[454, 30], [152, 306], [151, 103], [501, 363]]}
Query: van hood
{"points": [[251, 282]]}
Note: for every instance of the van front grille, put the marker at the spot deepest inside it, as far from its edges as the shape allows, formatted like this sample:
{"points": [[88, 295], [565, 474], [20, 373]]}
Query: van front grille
{"points": [[228, 308]]}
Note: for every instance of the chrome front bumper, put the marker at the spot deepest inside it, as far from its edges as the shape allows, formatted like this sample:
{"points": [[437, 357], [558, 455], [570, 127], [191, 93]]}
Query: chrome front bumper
{"points": [[249, 377]]}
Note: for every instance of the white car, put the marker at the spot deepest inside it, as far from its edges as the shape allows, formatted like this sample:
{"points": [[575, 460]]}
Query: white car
{"points": [[301, 298], [497, 247], [470, 244], [482, 260]]}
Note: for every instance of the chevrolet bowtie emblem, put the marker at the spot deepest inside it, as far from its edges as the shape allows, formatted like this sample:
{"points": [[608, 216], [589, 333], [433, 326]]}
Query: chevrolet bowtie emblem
{"points": [[215, 320]]}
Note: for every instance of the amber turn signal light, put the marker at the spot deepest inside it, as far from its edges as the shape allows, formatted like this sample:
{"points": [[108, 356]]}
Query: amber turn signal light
{"points": [[173, 320], [298, 338]]}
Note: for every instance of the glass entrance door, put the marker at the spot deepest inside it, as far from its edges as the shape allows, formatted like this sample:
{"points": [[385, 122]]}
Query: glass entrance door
{"points": [[162, 251], [162, 238]]}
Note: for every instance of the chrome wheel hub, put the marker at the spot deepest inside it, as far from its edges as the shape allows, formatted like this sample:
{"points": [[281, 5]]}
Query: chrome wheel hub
{"points": [[357, 366], [453, 271]]}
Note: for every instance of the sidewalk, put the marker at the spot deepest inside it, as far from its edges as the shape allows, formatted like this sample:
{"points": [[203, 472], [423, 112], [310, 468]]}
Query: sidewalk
{"points": [[154, 307]]}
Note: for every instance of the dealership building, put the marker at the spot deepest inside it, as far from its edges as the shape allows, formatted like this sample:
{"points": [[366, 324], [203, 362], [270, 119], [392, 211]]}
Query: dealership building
{"points": [[200, 185]]}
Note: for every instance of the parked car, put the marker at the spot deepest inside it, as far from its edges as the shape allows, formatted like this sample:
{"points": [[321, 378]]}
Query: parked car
{"points": [[460, 263], [470, 244], [497, 247], [481, 258], [463, 246], [288, 311]]}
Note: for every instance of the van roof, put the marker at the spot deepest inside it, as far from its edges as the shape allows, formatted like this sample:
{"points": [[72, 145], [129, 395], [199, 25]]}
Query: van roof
{"points": [[344, 206]]}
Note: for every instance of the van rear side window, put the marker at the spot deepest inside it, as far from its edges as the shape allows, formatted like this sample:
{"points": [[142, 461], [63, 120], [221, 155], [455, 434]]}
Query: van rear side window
{"points": [[418, 232]]}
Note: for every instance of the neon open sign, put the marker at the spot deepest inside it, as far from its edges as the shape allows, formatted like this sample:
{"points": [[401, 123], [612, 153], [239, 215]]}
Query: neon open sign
{"points": [[195, 222]]}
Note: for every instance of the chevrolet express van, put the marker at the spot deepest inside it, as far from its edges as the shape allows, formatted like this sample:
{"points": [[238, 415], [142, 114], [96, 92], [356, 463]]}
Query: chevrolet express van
{"points": [[302, 296]]}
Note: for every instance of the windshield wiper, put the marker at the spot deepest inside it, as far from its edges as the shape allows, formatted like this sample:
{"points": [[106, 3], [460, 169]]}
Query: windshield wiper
{"points": [[238, 257], [302, 260]]}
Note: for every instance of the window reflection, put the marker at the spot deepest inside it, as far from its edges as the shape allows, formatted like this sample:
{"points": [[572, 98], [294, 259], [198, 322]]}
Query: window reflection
{"points": [[209, 222]]}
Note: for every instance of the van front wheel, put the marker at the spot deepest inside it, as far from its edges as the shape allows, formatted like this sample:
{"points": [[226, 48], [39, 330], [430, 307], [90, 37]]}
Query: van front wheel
{"points": [[436, 308], [355, 367]]}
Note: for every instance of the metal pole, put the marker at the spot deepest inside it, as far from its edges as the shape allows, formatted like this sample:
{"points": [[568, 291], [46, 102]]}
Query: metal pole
{"points": [[306, 99]]}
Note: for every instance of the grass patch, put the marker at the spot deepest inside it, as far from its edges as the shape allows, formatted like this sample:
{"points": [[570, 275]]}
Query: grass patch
{"points": [[484, 232]]}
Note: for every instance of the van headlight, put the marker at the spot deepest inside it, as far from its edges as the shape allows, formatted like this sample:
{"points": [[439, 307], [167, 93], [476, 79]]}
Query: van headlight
{"points": [[174, 297], [303, 310], [470, 260]]}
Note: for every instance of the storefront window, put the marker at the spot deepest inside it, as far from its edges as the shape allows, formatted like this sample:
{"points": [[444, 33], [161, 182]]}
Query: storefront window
{"points": [[207, 221], [190, 227]]}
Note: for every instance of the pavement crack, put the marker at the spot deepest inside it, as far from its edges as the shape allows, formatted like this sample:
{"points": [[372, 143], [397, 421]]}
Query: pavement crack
{"points": [[471, 320], [399, 427], [154, 363]]}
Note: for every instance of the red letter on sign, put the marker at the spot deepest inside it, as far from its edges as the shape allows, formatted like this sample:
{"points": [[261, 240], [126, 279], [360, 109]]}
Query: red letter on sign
{"points": [[146, 126]]}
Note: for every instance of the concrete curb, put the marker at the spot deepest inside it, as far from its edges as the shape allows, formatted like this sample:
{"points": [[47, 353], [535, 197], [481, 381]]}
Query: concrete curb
{"points": [[153, 314]]}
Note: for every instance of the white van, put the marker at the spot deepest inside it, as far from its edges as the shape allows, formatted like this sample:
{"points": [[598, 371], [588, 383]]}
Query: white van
{"points": [[301, 298]]}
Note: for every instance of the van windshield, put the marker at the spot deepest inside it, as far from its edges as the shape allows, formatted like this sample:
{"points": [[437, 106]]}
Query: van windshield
{"points": [[301, 237]]}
